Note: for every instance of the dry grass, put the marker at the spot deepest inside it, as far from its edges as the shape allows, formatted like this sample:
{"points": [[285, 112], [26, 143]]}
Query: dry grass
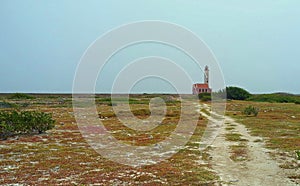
{"points": [[279, 123], [239, 152], [62, 156], [229, 128], [234, 137]]}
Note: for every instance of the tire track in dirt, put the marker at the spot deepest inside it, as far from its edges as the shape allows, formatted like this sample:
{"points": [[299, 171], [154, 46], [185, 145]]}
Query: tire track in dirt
{"points": [[257, 169]]}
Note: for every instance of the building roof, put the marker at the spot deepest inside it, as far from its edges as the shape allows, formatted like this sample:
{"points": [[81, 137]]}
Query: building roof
{"points": [[201, 85]]}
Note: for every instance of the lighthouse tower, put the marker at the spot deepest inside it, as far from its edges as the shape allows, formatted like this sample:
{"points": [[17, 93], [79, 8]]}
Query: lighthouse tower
{"points": [[200, 88], [206, 75]]}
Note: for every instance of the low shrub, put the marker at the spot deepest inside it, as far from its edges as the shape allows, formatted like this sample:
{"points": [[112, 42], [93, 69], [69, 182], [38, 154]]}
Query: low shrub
{"points": [[204, 96], [141, 112], [237, 93], [5, 104], [298, 154], [20, 96], [6, 130], [24, 122], [250, 110], [275, 98]]}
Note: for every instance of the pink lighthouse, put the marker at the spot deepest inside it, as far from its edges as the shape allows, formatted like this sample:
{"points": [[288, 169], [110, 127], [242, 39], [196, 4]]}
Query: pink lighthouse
{"points": [[200, 88]]}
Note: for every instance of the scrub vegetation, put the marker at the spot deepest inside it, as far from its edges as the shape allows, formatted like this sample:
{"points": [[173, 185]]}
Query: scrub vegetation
{"points": [[60, 155]]}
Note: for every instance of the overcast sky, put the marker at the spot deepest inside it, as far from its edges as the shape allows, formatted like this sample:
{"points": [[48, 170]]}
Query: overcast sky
{"points": [[255, 42]]}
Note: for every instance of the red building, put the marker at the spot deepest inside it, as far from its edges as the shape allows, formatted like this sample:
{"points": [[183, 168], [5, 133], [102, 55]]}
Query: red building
{"points": [[199, 88]]}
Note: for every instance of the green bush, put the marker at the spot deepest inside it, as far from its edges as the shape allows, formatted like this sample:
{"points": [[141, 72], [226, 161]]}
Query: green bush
{"points": [[5, 104], [250, 110], [237, 93], [6, 130], [204, 96], [276, 98], [25, 122], [20, 96], [298, 154]]}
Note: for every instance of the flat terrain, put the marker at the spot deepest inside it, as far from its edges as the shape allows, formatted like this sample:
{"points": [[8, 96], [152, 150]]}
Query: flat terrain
{"points": [[247, 151]]}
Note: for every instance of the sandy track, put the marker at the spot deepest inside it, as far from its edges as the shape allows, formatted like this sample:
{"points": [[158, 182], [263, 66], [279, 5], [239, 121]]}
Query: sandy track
{"points": [[257, 169]]}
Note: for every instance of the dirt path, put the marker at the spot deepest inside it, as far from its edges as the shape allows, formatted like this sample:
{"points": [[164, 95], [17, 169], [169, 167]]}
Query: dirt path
{"points": [[257, 168]]}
